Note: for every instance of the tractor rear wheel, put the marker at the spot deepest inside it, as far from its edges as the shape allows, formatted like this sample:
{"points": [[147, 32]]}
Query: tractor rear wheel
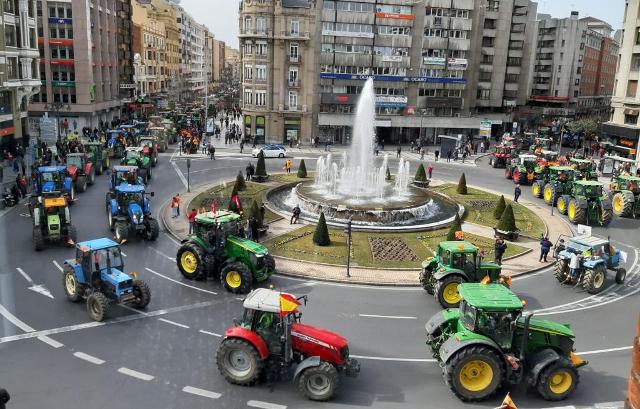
{"points": [[537, 188], [149, 173], [576, 214], [38, 239], [190, 259], [507, 173], [563, 203], [606, 215], [621, 275], [594, 279], [72, 235], [319, 383], [70, 285], [142, 292], [92, 176], [99, 168], [144, 176], [236, 278], [557, 381], [72, 195], [97, 306], [622, 204], [153, 230], [81, 184], [446, 291], [493, 162], [425, 280], [561, 270], [110, 221], [474, 373], [121, 231], [238, 362], [550, 196]]}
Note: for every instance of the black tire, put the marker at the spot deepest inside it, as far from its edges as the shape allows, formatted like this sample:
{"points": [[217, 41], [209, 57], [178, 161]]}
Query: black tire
{"points": [[192, 256], [72, 195], [121, 231], [144, 175], [270, 263], [97, 306], [38, 239], [238, 362], [425, 281], [70, 285], [72, 234], [143, 294], [551, 198], [493, 163], [92, 177], [443, 289], [319, 383], [606, 215], [149, 174], [623, 204], [563, 204], [459, 362], [537, 189], [621, 275], [236, 278], [81, 184], [281, 155], [99, 168], [153, 230], [580, 214], [110, 218], [561, 270], [570, 379], [595, 279]]}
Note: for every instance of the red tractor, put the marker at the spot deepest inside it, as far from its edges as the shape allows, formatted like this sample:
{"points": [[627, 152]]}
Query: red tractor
{"points": [[502, 155], [270, 342], [80, 170]]}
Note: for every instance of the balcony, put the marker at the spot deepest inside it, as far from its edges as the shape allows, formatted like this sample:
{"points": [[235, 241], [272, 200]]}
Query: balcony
{"points": [[292, 108], [544, 87], [434, 42], [292, 35], [461, 44], [516, 53], [517, 36], [294, 83], [465, 24], [250, 32], [296, 59]]}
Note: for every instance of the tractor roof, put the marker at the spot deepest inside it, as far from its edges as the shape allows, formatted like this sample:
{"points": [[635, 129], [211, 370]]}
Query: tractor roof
{"points": [[55, 202], [589, 241], [51, 169], [97, 244], [620, 159], [125, 168], [114, 131], [589, 183], [490, 296], [126, 126], [127, 188], [630, 178], [532, 157], [562, 168], [458, 246], [220, 217], [263, 299], [577, 160], [134, 149]]}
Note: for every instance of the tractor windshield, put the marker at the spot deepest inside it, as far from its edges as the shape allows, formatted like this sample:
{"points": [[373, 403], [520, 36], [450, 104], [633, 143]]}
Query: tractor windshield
{"points": [[497, 326], [75, 161], [50, 177], [467, 316], [445, 256], [127, 198], [593, 191], [99, 258], [133, 155]]}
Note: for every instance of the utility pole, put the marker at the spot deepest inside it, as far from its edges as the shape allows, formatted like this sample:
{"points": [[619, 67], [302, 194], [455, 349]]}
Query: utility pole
{"points": [[348, 232]]}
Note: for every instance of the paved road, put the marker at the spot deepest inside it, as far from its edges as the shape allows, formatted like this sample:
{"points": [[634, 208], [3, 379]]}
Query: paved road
{"points": [[54, 356]]}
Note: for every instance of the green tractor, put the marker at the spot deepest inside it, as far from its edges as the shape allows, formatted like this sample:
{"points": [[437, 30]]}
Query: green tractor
{"points": [[98, 155], [488, 342], [626, 196], [159, 134], [588, 203], [584, 169], [217, 250], [52, 222], [135, 157], [456, 262], [555, 183], [522, 169], [149, 148]]}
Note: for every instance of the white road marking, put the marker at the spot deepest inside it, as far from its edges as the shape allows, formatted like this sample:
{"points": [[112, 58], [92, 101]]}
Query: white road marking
{"points": [[604, 351], [209, 333], [201, 392], [264, 405], [135, 374], [58, 266], [177, 324], [14, 320], [25, 275], [358, 286], [41, 289], [51, 342], [161, 253], [382, 358], [180, 174], [178, 282], [88, 358], [397, 317]]}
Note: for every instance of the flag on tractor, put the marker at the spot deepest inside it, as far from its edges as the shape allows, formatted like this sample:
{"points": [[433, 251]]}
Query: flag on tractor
{"points": [[507, 403], [214, 208], [288, 304]]}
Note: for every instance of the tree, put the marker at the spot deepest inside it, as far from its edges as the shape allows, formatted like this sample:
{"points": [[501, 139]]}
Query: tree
{"points": [[321, 235], [260, 167], [456, 226], [240, 185], [497, 212], [507, 222], [462, 185], [302, 170], [421, 175]]}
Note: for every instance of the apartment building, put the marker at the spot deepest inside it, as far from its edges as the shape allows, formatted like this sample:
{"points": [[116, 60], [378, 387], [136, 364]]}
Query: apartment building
{"points": [[217, 49], [125, 51], [150, 45], [19, 68], [623, 129], [78, 45]]}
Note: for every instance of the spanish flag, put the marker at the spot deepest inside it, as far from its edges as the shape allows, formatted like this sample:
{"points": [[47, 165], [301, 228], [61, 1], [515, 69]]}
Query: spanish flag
{"points": [[507, 403], [288, 304]]}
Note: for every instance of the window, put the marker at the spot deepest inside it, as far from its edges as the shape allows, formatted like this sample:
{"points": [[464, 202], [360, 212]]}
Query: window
{"points": [[562, 44], [490, 24], [248, 72], [487, 59], [485, 76], [12, 68], [261, 98], [293, 99], [248, 96], [631, 118], [329, 5], [457, 34], [247, 24], [10, 36], [261, 25], [512, 78], [459, 13], [493, 5], [293, 50], [632, 88], [295, 27], [484, 94], [393, 30], [387, 8], [433, 32], [488, 41], [635, 62], [247, 48], [293, 75], [261, 48], [261, 72], [559, 68]]}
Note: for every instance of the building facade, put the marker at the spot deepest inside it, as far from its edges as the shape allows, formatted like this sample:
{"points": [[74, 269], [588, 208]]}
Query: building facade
{"points": [[19, 69], [150, 46], [218, 54], [125, 51]]}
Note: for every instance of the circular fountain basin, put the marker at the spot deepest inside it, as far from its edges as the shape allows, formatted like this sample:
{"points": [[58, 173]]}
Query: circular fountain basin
{"points": [[417, 209]]}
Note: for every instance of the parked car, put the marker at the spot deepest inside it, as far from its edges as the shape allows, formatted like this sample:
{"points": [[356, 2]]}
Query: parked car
{"points": [[271, 151]]}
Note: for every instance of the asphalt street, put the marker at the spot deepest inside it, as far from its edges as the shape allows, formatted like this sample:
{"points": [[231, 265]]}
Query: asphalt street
{"points": [[52, 355]]}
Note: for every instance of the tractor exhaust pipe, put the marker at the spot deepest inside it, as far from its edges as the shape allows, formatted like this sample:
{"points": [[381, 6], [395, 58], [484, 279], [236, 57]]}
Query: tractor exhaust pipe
{"points": [[525, 336]]}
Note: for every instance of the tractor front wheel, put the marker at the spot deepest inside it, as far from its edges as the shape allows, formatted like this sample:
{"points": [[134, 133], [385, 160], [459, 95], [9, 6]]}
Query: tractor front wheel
{"points": [[153, 230], [190, 259], [319, 383], [81, 184], [446, 291], [38, 239], [97, 306], [621, 275], [236, 278], [72, 195], [474, 373], [563, 203], [622, 204], [92, 177], [142, 293], [537, 188], [72, 235], [121, 231], [425, 280], [561, 270], [238, 362], [575, 213], [550, 194], [70, 284], [270, 263], [557, 381], [606, 215], [99, 168], [594, 279]]}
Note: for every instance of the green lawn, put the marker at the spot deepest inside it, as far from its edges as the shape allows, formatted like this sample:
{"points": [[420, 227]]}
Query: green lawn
{"points": [[479, 207], [298, 244]]}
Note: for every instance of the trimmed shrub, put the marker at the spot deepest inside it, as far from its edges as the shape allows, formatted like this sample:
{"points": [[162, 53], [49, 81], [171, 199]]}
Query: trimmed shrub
{"points": [[421, 175], [240, 185], [260, 167], [455, 227], [321, 235], [302, 170], [507, 221], [497, 213], [462, 185]]}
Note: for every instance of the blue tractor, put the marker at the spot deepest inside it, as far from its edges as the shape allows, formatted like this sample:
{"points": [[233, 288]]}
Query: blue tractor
{"points": [[129, 210], [96, 275], [595, 256], [50, 179], [116, 142]]}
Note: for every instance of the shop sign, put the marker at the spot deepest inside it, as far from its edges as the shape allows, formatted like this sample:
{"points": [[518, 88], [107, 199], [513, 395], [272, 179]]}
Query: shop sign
{"points": [[457, 63], [395, 101], [392, 58], [396, 16], [626, 142], [346, 34], [434, 61]]}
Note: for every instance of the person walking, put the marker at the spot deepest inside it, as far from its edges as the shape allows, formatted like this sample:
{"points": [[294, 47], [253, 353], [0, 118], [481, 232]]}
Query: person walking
{"points": [[430, 170], [241, 146], [449, 155], [178, 201], [516, 193], [499, 248], [399, 151], [545, 246], [192, 220], [295, 215], [174, 207], [247, 172], [212, 152], [436, 153], [287, 165], [574, 266], [422, 152]]}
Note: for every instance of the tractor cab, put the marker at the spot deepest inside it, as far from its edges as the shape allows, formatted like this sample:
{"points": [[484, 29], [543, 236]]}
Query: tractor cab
{"points": [[561, 173], [528, 162], [585, 169], [588, 188], [149, 147], [79, 160], [100, 256], [541, 144], [125, 175], [629, 183], [134, 156], [52, 178], [215, 228]]}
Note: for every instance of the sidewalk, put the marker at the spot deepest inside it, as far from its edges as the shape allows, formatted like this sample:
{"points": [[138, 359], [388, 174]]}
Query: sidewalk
{"points": [[522, 264]]}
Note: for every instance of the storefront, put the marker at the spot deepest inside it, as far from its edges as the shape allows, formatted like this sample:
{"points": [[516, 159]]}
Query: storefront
{"points": [[260, 130], [620, 140], [247, 128], [291, 130]]}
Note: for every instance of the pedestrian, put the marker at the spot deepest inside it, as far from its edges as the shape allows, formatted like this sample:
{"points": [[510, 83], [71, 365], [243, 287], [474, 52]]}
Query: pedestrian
{"points": [[464, 155], [241, 146], [399, 151], [212, 152], [253, 227], [482, 147], [174, 207], [558, 248], [574, 266], [545, 246], [247, 172], [178, 201], [436, 153], [499, 248], [449, 155], [516, 193], [430, 170], [192, 220], [295, 215], [287, 165], [422, 152]]}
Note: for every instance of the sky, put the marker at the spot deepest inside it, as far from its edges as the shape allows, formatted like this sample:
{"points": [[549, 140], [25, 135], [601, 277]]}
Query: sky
{"points": [[221, 16]]}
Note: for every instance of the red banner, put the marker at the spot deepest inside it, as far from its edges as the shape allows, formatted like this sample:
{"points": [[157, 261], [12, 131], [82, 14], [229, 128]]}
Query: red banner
{"points": [[397, 16], [7, 131]]}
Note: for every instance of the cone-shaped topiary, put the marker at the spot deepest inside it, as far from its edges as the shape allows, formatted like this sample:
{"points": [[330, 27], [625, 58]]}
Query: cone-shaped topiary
{"points": [[421, 175], [456, 226], [260, 168], [240, 185], [302, 170], [507, 222], [254, 211], [497, 212], [462, 185], [321, 235], [388, 174]]}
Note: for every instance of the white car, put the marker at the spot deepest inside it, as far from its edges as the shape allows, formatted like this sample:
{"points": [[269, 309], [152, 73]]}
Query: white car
{"points": [[270, 151]]}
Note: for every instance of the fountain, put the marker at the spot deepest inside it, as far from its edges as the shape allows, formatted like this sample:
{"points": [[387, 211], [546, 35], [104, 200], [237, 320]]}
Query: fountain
{"points": [[354, 186]]}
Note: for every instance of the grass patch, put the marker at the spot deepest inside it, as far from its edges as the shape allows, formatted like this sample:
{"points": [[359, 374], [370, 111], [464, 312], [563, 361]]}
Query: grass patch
{"points": [[290, 177], [298, 244], [479, 207]]}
